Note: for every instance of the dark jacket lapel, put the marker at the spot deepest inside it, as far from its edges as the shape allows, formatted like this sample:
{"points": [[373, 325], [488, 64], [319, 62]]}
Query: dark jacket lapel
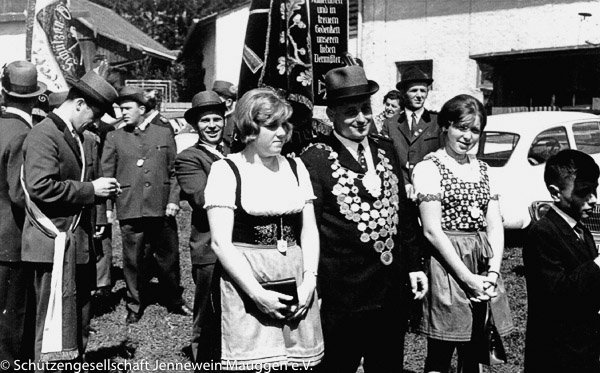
{"points": [[62, 126], [575, 245], [344, 157], [422, 125], [403, 126]]}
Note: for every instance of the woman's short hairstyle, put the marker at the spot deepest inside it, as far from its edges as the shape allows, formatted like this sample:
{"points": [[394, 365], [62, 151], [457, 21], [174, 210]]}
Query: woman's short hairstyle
{"points": [[261, 107], [393, 95], [462, 108]]}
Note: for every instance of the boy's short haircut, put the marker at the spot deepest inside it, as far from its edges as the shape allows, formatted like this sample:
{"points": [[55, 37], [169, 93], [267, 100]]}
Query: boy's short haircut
{"points": [[568, 165]]}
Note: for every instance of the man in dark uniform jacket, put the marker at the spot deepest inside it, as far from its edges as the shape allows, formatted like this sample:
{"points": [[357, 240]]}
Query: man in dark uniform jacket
{"points": [[192, 166], [20, 89], [414, 130], [228, 93], [370, 242], [141, 156], [55, 156], [562, 269]]}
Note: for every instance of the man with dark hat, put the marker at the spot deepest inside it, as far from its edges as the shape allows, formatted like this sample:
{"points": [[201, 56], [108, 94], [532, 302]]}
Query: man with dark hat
{"points": [[192, 166], [141, 156], [57, 233], [414, 130], [20, 89], [370, 241], [228, 93]]}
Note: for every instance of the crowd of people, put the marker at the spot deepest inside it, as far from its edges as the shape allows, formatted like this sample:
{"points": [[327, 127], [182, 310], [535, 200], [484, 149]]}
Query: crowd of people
{"points": [[311, 262]]}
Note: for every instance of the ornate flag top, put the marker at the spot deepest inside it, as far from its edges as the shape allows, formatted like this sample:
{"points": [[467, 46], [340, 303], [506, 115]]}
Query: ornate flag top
{"points": [[54, 46], [277, 51]]}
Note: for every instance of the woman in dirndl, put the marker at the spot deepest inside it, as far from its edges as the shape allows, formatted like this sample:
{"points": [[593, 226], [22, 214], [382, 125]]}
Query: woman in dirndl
{"points": [[461, 219], [263, 229]]}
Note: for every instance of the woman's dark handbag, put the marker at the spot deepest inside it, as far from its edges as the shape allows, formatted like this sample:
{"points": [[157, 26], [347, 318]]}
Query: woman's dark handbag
{"points": [[490, 350]]}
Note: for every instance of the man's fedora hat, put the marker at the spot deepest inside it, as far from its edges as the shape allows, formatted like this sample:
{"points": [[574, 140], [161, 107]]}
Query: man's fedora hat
{"points": [[131, 93], [55, 99], [98, 90], [348, 81], [202, 102], [225, 89], [412, 75], [19, 79]]}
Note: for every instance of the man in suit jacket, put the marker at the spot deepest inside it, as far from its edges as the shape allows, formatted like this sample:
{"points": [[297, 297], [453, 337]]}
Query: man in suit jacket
{"points": [[192, 167], [414, 130], [562, 269], [141, 156], [55, 158], [20, 89], [370, 246]]}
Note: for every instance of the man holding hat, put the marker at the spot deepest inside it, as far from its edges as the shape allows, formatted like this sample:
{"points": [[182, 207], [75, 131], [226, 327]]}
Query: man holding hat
{"points": [[192, 166], [370, 241], [414, 130], [20, 89], [58, 230], [141, 156]]}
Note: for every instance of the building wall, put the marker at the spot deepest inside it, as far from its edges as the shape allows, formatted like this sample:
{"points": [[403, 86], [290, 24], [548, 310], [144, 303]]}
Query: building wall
{"points": [[449, 31], [12, 40], [231, 30]]}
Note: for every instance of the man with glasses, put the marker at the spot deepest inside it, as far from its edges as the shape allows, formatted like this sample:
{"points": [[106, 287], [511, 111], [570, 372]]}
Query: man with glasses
{"points": [[58, 231]]}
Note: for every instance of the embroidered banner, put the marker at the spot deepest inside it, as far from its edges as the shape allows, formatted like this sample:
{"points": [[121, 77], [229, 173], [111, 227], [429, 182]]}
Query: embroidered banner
{"points": [[277, 52], [54, 47], [329, 33]]}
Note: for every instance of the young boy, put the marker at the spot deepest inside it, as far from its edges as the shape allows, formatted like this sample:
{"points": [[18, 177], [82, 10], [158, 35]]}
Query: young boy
{"points": [[562, 269]]}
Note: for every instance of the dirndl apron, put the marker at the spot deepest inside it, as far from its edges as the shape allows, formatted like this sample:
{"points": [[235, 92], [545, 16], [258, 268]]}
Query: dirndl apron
{"points": [[447, 310]]}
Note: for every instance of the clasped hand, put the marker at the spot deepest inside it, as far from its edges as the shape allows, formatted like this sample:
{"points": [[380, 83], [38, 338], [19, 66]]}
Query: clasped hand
{"points": [[481, 288], [277, 306]]}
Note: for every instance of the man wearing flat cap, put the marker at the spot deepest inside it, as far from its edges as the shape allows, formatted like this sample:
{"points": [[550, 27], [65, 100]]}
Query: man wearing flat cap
{"points": [[59, 199], [207, 117], [20, 90], [370, 242], [141, 156], [414, 130]]}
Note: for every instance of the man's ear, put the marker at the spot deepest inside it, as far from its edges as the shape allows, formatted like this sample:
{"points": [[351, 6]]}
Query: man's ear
{"points": [[554, 192], [143, 109], [330, 113]]}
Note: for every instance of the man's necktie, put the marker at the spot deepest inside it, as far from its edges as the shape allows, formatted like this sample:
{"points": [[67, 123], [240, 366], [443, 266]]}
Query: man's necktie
{"points": [[220, 148], [361, 157], [578, 228], [413, 125]]}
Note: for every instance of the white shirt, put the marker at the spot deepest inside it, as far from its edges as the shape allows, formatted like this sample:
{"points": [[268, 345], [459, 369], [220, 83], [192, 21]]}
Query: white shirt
{"points": [[26, 117], [352, 147], [409, 113]]}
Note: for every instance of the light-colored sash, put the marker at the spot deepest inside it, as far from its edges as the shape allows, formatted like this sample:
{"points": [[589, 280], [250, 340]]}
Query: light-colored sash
{"points": [[52, 338]]}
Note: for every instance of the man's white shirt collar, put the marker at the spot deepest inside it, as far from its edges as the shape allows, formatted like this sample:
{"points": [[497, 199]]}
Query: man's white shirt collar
{"points": [[26, 117], [409, 114], [352, 147]]}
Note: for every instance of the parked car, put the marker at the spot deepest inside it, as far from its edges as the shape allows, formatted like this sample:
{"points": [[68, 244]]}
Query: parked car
{"points": [[516, 147]]}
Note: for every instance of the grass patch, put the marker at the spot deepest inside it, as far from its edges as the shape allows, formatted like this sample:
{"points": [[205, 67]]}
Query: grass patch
{"points": [[164, 338]]}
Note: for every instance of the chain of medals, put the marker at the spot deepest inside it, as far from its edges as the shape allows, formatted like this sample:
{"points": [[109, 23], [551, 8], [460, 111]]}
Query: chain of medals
{"points": [[378, 220]]}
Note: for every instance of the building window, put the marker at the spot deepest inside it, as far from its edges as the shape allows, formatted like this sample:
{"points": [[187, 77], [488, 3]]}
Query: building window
{"points": [[485, 72], [424, 65]]}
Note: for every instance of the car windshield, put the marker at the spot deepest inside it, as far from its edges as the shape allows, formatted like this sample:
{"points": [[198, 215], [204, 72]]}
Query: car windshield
{"points": [[495, 148]]}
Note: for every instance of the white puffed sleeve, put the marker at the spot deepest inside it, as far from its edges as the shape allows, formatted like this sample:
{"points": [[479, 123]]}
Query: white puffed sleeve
{"points": [[220, 186], [426, 178]]}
